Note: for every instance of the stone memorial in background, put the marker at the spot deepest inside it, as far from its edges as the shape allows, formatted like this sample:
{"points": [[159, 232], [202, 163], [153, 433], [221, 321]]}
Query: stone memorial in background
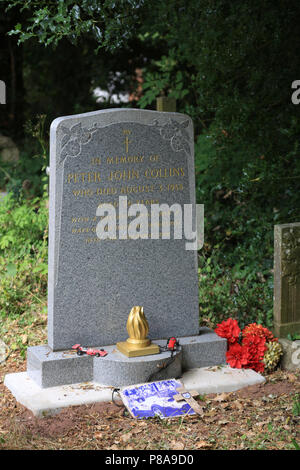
{"points": [[146, 158], [287, 279]]}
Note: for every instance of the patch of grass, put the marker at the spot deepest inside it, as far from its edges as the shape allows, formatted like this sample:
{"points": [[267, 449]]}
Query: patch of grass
{"points": [[296, 405], [295, 444]]}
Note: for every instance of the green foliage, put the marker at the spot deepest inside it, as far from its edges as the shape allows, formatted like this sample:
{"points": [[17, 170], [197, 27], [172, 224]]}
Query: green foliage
{"points": [[110, 23], [225, 293], [26, 177], [293, 337], [242, 206], [22, 226], [23, 254], [221, 67], [295, 444], [165, 80], [230, 65]]}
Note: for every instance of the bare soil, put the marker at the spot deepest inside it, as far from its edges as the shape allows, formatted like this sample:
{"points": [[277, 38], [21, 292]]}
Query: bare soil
{"points": [[258, 417]]}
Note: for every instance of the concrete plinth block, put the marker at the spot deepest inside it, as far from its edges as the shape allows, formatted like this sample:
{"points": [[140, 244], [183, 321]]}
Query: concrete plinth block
{"points": [[205, 349], [220, 379], [50, 369], [118, 370]]}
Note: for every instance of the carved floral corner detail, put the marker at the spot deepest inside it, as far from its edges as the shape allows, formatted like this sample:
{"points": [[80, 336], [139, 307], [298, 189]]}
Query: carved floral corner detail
{"points": [[74, 138], [176, 133], [291, 256]]}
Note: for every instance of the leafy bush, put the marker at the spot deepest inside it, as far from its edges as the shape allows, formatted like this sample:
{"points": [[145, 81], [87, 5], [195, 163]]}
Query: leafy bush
{"points": [[23, 254], [242, 205], [225, 293]]}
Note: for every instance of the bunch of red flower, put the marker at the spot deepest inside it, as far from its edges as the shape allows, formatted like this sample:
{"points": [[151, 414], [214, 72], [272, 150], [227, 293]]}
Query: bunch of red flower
{"points": [[259, 330], [245, 348]]}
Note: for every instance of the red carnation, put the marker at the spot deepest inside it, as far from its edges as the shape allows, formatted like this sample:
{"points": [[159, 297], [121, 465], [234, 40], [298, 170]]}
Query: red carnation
{"points": [[259, 330], [229, 329], [256, 346], [237, 356], [257, 366]]}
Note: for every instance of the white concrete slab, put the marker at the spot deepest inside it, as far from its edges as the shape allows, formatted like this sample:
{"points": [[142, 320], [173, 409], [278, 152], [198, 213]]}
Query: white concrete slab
{"points": [[47, 401], [219, 379]]}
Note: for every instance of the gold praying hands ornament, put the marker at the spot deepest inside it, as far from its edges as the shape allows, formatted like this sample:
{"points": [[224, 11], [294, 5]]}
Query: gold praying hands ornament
{"points": [[137, 344]]}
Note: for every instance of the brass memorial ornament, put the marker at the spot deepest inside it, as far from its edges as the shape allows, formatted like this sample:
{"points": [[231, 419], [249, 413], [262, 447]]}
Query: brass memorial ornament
{"points": [[137, 344]]}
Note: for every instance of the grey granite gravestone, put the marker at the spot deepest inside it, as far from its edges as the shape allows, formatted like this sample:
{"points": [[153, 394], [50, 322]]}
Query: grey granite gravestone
{"points": [[93, 284], [96, 158]]}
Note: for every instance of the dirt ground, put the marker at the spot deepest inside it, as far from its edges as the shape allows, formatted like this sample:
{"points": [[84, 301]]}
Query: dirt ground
{"points": [[263, 416]]}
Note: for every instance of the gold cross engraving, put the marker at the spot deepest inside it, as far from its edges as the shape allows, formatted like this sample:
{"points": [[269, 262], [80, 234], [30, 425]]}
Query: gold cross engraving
{"points": [[126, 132], [188, 397], [126, 142]]}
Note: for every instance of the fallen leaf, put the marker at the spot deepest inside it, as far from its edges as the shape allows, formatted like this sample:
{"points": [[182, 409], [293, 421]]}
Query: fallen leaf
{"points": [[257, 403], [225, 405], [262, 423], [126, 437], [177, 445], [203, 445], [98, 435], [24, 339], [223, 422], [103, 427], [114, 447], [137, 431], [221, 397], [142, 423], [212, 412], [237, 404]]}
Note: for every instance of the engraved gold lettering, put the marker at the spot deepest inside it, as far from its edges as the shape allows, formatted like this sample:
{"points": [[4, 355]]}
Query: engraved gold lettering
{"points": [[123, 175], [83, 192], [96, 161], [125, 159], [163, 172], [102, 191], [93, 177]]}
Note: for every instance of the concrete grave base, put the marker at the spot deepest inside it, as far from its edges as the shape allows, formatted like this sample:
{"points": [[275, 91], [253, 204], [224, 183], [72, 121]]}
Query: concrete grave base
{"points": [[48, 401], [50, 369]]}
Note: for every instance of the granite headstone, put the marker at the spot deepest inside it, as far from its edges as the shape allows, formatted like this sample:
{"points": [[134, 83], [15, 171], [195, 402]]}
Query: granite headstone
{"points": [[95, 158]]}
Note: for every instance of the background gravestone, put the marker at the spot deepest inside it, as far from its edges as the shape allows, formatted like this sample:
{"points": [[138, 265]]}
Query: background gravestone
{"points": [[287, 279], [93, 284]]}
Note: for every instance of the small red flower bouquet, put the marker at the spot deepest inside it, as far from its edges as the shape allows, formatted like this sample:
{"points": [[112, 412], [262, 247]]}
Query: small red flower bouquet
{"points": [[247, 348], [229, 329]]}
